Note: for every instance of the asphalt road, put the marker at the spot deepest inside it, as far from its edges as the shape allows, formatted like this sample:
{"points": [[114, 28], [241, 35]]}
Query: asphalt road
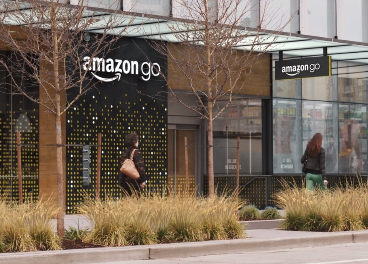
{"points": [[337, 254]]}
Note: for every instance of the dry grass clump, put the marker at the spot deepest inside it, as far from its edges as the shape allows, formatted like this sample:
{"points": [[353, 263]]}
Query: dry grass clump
{"points": [[27, 227], [156, 219], [249, 212], [339, 209], [270, 213]]}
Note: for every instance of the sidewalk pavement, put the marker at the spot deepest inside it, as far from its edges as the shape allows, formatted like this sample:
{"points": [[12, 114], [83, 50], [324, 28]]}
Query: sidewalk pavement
{"points": [[257, 240]]}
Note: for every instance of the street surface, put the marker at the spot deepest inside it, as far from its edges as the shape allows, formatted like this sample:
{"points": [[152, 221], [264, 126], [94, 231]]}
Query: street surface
{"points": [[337, 254]]}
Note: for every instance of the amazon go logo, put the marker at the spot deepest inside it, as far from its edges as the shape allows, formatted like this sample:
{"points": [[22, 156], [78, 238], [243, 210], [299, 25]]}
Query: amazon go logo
{"points": [[296, 69], [118, 67], [303, 68]]}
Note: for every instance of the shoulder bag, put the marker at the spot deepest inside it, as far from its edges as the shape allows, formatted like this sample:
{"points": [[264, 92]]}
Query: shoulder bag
{"points": [[304, 169], [128, 167]]}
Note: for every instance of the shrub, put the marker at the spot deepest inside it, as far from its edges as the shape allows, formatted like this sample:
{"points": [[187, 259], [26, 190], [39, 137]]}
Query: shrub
{"points": [[75, 234], [270, 213], [27, 227], [339, 209], [249, 212], [156, 219]]}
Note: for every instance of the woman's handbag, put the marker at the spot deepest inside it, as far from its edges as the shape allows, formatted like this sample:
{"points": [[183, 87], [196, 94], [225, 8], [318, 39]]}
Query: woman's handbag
{"points": [[128, 168], [304, 169]]}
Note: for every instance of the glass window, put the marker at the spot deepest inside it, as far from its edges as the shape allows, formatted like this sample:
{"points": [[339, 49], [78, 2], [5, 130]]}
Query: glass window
{"points": [[352, 83], [318, 88], [343, 89], [358, 88], [242, 119], [287, 136], [286, 88], [352, 138], [321, 117], [154, 7]]}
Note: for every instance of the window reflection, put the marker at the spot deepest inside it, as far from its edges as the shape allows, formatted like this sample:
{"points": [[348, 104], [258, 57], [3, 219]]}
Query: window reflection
{"points": [[352, 138], [241, 119], [286, 139], [321, 117], [317, 88], [286, 88], [334, 106], [352, 82]]}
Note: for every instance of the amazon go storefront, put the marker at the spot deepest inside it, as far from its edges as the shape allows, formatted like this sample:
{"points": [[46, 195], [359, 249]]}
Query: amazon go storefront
{"points": [[131, 96], [319, 95], [284, 102]]}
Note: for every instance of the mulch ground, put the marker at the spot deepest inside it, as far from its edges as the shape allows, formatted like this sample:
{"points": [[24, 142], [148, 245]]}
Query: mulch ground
{"points": [[71, 244]]}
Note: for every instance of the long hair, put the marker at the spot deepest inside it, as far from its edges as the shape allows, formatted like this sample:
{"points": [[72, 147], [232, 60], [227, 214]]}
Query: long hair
{"points": [[314, 145]]}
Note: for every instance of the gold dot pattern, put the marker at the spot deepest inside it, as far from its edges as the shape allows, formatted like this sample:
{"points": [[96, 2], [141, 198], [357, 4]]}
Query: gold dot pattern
{"points": [[114, 115], [8, 149]]}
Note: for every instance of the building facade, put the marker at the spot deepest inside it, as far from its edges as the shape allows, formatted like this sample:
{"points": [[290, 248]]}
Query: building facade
{"points": [[274, 119]]}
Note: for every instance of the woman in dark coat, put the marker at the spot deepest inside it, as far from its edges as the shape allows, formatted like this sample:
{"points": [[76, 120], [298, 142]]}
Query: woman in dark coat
{"points": [[129, 185], [314, 156]]}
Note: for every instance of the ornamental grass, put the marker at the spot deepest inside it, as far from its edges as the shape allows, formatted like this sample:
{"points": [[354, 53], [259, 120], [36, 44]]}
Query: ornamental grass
{"points": [[338, 209], [156, 219], [27, 227]]}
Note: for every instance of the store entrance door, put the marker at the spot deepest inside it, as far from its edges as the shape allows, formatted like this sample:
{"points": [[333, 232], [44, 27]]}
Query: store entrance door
{"points": [[176, 158]]}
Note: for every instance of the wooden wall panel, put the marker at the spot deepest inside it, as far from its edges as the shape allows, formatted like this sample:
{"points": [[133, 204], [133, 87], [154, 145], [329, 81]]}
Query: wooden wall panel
{"points": [[256, 83]]}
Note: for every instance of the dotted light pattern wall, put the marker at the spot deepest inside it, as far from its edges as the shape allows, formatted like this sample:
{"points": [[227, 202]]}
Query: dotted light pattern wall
{"points": [[9, 124], [259, 190], [180, 184], [116, 109], [253, 189]]}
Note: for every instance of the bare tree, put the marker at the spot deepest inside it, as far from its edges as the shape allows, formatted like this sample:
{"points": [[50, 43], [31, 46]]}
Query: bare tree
{"points": [[208, 59], [49, 42]]}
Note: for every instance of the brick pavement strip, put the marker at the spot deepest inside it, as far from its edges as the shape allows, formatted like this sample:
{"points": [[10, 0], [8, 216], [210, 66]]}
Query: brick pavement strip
{"points": [[261, 240]]}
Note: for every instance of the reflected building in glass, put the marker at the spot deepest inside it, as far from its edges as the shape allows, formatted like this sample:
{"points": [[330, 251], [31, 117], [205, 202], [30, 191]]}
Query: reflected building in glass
{"points": [[335, 106]]}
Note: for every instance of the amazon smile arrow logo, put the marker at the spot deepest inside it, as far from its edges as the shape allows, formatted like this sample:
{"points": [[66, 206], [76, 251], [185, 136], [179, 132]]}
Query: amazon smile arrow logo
{"points": [[118, 75]]}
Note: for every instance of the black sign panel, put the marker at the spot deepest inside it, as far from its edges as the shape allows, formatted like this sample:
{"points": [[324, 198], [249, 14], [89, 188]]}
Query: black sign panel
{"points": [[303, 68], [129, 96]]}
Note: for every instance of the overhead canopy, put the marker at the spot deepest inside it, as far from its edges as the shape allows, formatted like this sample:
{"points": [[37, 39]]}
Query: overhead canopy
{"points": [[161, 28], [295, 45]]}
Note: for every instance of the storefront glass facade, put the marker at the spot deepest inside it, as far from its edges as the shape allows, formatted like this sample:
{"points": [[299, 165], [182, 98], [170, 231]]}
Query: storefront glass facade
{"points": [[335, 106], [243, 118]]}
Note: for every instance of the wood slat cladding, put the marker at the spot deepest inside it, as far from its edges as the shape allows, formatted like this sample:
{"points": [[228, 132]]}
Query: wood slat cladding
{"points": [[256, 84], [47, 136], [18, 33]]}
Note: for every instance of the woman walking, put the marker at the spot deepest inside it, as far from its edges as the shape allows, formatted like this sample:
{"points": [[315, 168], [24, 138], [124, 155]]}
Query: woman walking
{"points": [[314, 159], [130, 185]]}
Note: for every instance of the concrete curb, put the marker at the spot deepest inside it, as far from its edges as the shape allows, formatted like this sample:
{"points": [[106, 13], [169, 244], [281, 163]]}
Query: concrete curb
{"points": [[188, 249], [262, 224], [360, 237], [194, 249], [88, 255]]}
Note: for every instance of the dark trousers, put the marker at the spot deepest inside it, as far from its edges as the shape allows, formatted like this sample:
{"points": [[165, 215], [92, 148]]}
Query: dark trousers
{"points": [[130, 188]]}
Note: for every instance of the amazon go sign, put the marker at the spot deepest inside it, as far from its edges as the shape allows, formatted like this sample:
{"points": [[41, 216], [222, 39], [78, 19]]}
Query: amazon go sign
{"points": [[303, 68], [115, 68]]}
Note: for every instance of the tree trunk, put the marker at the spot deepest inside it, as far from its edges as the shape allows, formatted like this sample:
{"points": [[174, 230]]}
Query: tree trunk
{"points": [[60, 178], [59, 147], [211, 177]]}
